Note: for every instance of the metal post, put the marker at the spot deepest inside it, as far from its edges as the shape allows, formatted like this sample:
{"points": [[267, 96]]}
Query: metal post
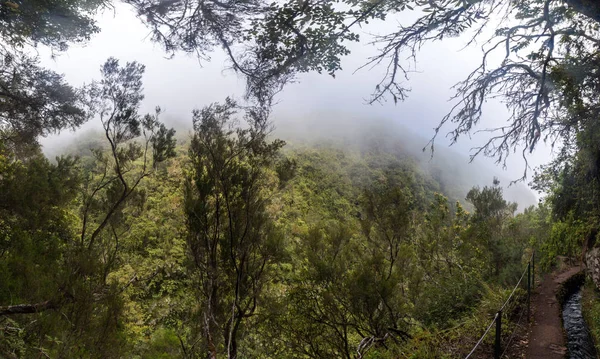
{"points": [[528, 290], [533, 269], [497, 346]]}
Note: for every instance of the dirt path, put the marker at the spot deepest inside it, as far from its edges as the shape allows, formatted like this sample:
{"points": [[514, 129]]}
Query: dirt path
{"points": [[546, 340]]}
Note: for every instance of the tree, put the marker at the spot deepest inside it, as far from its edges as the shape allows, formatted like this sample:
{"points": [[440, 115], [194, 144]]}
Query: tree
{"points": [[79, 299], [35, 101], [380, 287], [53, 23], [488, 222], [448, 281], [232, 239], [117, 98]]}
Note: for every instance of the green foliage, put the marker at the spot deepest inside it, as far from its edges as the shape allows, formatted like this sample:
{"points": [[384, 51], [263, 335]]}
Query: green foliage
{"points": [[53, 23], [566, 239], [489, 224], [35, 101], [390, 257], [61, 228], [573, 178], [36, 224], [244, 250], [327, 251], [164, 344], [591, 310], [232, 240]]}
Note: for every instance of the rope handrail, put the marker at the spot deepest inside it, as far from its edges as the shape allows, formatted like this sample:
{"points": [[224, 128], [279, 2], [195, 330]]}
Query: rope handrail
{"points": [[483, 336], [502, 308]]}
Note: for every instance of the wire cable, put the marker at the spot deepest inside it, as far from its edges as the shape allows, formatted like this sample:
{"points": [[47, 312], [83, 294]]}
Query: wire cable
{"points": [[512, 335], [501, 309], [482, 337], [515, 288]]}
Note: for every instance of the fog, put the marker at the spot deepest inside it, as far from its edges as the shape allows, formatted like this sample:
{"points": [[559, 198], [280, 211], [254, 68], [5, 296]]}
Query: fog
{"points": [[317, 105]]}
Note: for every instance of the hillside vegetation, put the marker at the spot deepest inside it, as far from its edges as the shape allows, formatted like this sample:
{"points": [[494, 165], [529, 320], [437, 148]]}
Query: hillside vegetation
{"points": [[233, 243], [230, 243]]}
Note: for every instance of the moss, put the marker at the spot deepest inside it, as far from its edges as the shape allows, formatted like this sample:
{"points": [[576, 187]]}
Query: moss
{"points": [[591, 310]]}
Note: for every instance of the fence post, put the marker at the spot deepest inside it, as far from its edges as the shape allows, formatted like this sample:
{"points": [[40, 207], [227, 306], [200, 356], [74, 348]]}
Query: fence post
{"points": [[497, 346], [533, 269], [528, 291]]}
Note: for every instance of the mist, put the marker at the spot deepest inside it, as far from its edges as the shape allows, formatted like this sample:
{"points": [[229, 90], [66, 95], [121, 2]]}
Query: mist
{"points": [[316, 107]]}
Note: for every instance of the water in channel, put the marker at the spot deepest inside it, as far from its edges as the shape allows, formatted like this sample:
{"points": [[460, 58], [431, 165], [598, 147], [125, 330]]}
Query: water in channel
{"points": [[579, 340]]}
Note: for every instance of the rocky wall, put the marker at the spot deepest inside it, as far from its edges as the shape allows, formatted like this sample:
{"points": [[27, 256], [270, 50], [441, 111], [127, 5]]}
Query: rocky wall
{"points": [[592, 265]]}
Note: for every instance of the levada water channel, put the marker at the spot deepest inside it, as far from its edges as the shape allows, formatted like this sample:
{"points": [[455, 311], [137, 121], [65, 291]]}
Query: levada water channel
{"points": [[579, 340]]}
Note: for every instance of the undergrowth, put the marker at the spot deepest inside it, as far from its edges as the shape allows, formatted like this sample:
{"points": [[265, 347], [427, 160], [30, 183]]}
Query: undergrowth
{"points": [[591, 310], [458, 340]]}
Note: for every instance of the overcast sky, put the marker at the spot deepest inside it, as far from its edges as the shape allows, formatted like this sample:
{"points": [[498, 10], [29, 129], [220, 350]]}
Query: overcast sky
{"points": [[183, 83]]}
